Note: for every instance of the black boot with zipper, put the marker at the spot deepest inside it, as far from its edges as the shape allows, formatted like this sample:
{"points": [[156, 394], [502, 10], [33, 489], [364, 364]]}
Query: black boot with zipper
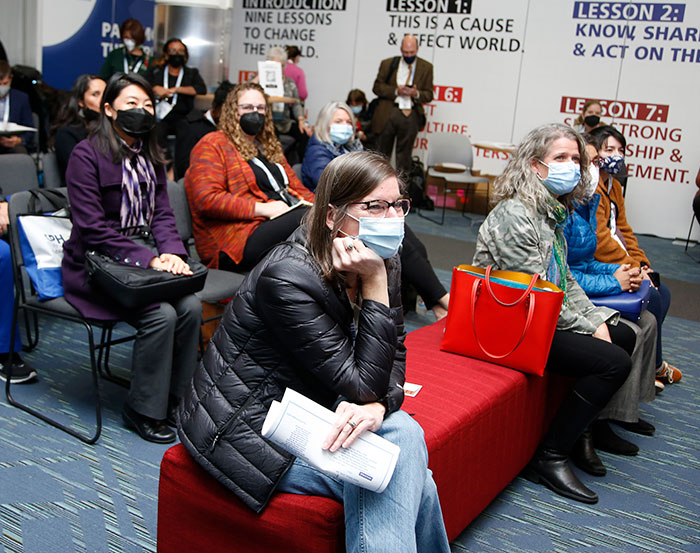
{"points": [[584, 455], [550, 464]]}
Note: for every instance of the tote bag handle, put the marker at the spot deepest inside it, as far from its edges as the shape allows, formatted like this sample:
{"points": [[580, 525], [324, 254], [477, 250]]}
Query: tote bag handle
{"points": [[487, 278], [530, 300]]}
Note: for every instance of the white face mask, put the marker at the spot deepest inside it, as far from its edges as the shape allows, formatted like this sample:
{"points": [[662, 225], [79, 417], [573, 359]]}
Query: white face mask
{"points": [[4, 90], [594, 176], [129, 44]]}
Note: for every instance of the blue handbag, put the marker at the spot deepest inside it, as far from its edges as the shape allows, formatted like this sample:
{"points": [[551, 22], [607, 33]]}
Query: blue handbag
{"points": [[629, 304]]}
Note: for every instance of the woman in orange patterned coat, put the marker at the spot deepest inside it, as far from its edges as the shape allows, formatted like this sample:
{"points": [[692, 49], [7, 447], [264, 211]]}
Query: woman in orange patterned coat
{"points": [[240, 187]]}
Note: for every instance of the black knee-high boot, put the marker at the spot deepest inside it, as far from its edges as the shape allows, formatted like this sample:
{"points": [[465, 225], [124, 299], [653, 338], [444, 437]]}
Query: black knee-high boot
{"points": [[584, 454], [550, 465]]}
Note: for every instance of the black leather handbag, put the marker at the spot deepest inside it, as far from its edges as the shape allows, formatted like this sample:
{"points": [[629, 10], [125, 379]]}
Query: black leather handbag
{"points": [[135, 287]]}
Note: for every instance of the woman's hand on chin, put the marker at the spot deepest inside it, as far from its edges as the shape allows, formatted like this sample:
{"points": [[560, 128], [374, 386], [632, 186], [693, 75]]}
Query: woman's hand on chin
{"points": [[351, 421], [353, 257], [350, 255], [170, 263]]}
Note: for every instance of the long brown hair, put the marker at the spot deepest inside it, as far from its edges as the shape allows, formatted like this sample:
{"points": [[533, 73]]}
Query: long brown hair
{"points": [[230, 126], [346, 179]]}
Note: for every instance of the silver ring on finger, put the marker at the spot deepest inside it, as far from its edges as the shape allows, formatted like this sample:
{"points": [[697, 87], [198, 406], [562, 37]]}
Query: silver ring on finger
{"points": [[349, 246], [352, 424]]}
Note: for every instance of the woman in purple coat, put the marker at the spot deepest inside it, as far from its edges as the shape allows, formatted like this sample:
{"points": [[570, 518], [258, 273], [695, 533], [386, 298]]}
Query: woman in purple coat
{"points": [[116, 180]]}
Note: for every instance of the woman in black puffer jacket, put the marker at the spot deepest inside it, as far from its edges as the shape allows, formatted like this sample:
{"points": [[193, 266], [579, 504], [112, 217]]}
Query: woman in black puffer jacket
{"points": [[322, 314]]}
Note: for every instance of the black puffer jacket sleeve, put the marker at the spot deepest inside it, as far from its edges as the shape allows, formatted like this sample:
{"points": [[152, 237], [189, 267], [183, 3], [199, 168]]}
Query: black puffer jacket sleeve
{"points": [[301, 317]]}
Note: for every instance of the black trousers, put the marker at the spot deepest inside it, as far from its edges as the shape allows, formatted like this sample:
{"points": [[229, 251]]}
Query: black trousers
{"points": [[404, 130], [599, 366], [417, 271]]}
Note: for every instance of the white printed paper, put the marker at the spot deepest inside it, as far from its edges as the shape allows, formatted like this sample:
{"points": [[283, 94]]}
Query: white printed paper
{"points": [[300, 425], [270, 77]]}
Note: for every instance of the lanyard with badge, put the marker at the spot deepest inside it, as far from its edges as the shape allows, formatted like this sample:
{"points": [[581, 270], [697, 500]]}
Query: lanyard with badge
{"points": [[405, 103], [164, 107], [283, 192], [136, 67], [6, 115]]}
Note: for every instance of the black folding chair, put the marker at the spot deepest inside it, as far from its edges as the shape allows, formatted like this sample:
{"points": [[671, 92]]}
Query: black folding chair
{"points": [[220, 285], [26, 300]]}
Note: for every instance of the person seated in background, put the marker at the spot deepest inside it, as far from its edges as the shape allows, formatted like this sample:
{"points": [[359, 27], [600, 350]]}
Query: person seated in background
{"points": [[289, 119], [602, 279], [21, 371], [616, 240], [116, 181], [194, 126], [589, 118], [334, 135], [296, 73], [130, 58], [240, 187], [76, 116], [358, 104], [321, 314], [175, 86], [14, 108], [524, 233]]}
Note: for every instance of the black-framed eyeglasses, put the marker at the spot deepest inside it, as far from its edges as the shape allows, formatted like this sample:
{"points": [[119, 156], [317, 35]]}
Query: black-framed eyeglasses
{"points": [[379, 208]]}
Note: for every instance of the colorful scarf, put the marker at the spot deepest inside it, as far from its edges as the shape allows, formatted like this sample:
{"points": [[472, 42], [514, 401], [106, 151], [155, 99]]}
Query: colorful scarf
{"points": [[556, 272], [137, 210]]}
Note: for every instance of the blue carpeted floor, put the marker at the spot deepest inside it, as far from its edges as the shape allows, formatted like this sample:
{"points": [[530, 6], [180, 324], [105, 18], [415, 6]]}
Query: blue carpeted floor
{"points": [[58, 495]]}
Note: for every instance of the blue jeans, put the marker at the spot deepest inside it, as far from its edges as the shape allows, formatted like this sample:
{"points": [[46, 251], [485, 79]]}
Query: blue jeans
{"points": [[7, 300], [659, 302], [404, 518]]}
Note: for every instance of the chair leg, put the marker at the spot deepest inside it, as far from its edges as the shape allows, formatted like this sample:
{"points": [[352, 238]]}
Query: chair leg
{"points": [[444, 205], [687, 240], [32, 339], [105, 346], [83, 437], [464, 204]]}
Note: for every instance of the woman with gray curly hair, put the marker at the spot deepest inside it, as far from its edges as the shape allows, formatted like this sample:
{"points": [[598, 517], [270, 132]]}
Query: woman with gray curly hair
{"points": [[524, 232]]}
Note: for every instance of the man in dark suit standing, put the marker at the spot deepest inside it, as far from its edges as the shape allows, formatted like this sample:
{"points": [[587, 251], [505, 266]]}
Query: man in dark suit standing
{"points": [[14, 108], [403, 85]]}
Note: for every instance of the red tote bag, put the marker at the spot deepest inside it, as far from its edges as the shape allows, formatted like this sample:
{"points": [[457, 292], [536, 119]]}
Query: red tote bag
{"points": [[504, 317]]}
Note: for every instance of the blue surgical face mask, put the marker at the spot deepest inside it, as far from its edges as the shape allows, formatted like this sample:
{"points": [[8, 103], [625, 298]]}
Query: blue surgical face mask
{"points": [[356, 109], [341, 133], [562, 177], [611, 164], [383, 235]]}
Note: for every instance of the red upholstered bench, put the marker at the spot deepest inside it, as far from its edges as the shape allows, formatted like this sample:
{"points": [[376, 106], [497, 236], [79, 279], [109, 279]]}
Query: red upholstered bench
{"points": [[482, 424]]}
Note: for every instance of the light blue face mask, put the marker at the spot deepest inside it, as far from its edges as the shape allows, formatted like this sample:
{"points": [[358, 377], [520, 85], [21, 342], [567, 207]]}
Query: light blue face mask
{"points": [[356, 109], [383, 235], [562, 177], [341, 133]]}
